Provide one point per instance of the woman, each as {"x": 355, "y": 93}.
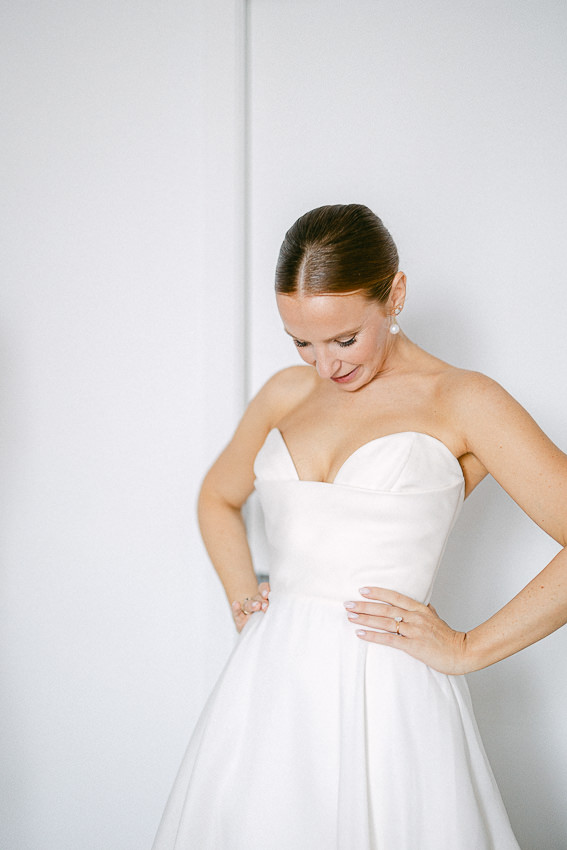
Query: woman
{"x": 342, "y": 719}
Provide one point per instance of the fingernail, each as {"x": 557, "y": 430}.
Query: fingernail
{"x": 264, "y": 606}
{"x": 360, "y": 632}
{"x": 265, "y": 593}
{"x": 364, "y": 590}
{"x": 235, "y": 605}
{"x": 349, "y": 604}
{"x": 352, "y": 616}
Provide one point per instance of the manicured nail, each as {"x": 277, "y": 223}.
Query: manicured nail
{"x": 364, "y": 590}
{"x": 264, "y": 606}
{"x": 352, "y": 616}
{"x": 265, "y": 593}
{"x": 349, "y": 604}
{"x": 235, "y": 605}
{"x": 360, "y": 632}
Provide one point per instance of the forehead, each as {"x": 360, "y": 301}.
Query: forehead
{"x": 326, "y": 316}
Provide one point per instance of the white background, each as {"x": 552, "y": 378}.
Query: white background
{"x": 121, "y": 324}
{"x": 123, "y": 361}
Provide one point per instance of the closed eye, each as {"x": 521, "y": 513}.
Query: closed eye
{"x": 344, "y": 344}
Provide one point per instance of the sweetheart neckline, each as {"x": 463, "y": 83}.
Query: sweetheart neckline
{"x": 363, "y": 446}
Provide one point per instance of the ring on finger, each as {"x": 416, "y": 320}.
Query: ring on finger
{"x": 398, "y": 620}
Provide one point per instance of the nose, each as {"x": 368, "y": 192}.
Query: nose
{"x": 326, "y": 364}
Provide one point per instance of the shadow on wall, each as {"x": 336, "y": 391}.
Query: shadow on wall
{"x": 15, "y": 809}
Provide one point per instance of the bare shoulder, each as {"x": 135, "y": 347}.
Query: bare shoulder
{"x": 292, "y": 383}
{"x": 280, "y": 394}
{"x": 480, "y": 405}
{"x": 284, "y": 391}
{"x": 507, "y": 442}
{"x": 487, "y": 417}
{"x": 232, "y": 475}
{"x": 468, "y": 380}
{"x": 463, "y": 384}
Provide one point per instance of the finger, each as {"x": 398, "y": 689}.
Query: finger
{"x": 384, "y": 638}
{"x": 250, "y": 604}
{"x": 259, "y": 602}
{"x": 382, "y": 594}
{"x": 240, "y": 620}
{"x": 239, "y": 614}
{"x": 378, "y": 609}
{"x": 241, "y": 617}
{"x": 264, "y": 590}
{"x": 385, "y": 623}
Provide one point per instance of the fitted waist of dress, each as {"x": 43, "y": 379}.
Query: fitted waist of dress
{"x": 337, "y": 582}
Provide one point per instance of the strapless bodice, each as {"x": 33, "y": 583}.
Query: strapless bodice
{"x": 340, "y": 742}
{"x": 383, "y": 521}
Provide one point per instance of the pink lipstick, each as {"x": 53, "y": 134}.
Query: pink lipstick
{"x": 344, "y": 379}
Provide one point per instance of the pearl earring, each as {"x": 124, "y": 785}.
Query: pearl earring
{"x": 394, "y": 327}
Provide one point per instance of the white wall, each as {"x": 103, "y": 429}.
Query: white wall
{"x": 122, "y": 377}
{"x": 121, "y": 339}
{"x": 448, "y": 119}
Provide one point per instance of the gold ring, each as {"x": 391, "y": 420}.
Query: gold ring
{"x": 398, "y": 621}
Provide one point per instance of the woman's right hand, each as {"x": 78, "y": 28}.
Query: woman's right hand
{"x": 242, "y": 609}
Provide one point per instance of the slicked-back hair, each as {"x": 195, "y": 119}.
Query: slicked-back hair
{"x": 335, "y": 250}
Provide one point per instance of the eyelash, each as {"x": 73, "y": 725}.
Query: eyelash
{"x": 344, "y": 344}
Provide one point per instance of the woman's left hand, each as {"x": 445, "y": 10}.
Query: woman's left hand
{"x": 410, "y": 626}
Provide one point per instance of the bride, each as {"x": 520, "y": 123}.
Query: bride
{"x": 342, "y": 718}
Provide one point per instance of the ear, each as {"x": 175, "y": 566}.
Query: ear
{"x": 397, "y": 291}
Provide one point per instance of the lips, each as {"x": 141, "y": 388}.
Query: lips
{"x": 342, "y": 379}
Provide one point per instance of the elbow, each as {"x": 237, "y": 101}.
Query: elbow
{"x": 205, "y": 496}
{"x": 211, "y": 499}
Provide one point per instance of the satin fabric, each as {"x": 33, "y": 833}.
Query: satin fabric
{"x": 313, "y": 739}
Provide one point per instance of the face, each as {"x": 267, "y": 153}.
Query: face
{"x": 346, "y": 337}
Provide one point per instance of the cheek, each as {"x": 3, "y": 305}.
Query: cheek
{"x": 306, "y": 354}
{"x": 368, "y": 349}
{"x": 380, "y": 338}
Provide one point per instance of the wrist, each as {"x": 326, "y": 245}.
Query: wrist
{"x": 242, "y": 592}
{"x": 475, "y": 653}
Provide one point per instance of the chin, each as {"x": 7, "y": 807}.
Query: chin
{"x": 354, "y": 385}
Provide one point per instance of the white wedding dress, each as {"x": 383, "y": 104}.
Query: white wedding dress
{"x": 313, "y": 739}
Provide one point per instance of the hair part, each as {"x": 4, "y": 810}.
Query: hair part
{"x": 337, "y": 250}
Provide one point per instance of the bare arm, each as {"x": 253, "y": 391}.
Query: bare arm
{"x": 230, "y": 481}
{"x": 505, "y": 441}
{"x": 533, "y": 471}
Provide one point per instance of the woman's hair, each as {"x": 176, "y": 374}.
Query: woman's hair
{"x": 335, "y": 250}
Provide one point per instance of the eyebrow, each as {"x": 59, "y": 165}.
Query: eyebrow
{"x": 348, "y": 334}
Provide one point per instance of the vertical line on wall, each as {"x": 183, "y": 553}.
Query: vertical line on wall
{"x": 243, "y": 189}
{"x": 247, "y": 169}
